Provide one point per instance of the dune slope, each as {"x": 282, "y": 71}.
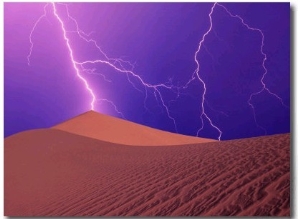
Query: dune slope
{"x": 55, "y": 173}
{"x": 95, "y": 125}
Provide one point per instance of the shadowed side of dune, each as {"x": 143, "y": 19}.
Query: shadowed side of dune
{"x": 55, "y": 173}
{"x": 95, "y": 125}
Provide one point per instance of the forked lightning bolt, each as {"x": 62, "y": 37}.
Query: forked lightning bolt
{"x": 87, "y": 86}
{"x": 125, "y": 67}
{"x": 196, "y": 74}
{"x": 263, "y": 85}
{"x": 118, "y": 65}
{"x": 31, "y": 32}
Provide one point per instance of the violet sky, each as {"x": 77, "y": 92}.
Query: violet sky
{"x": 160, "y": 40}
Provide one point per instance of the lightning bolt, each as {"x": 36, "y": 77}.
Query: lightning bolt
{"x": 31, "y": 33}
{"x": 113, "y": 105}
{"x": 87, "y": 86}
{"x": 156, "y": 88}
{"x": 263, "y": 85}
{"x": 196, "y": 74}
{"x": 121, "y": 66}
{"x": 118, "y": 65}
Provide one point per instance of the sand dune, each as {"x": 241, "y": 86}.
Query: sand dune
{"x": 56, "y": 173}
{"x": 106, "y": 128}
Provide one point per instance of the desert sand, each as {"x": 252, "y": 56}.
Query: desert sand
{"x": 107, "y": 128}
{"x": 50, "y": 172}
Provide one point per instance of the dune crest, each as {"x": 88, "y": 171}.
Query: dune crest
{"x": 107, "y": 128}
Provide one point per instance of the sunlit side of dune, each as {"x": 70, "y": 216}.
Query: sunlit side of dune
{"x": 107, "y": 128}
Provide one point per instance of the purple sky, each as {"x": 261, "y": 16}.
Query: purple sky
{"x": 160, "y": 40}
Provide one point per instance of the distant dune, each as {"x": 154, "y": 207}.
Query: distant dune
{"x": 106, "y": 128}
{"x": 50, "y": 172}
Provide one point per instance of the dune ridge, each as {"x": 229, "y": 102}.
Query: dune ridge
{"x": 50, "y": 172}
{"x": 107, "y": 128}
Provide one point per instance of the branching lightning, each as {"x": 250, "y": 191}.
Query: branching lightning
{"x": 32, "y": 30}
{"x": 87, "y": 86}
{"x": 196, "y": 74}
{"x": 113, "y": 105}
{"x": 117, "y": 64}
{"x": 121, "y": 66}
{"x": 264, "y": 86}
